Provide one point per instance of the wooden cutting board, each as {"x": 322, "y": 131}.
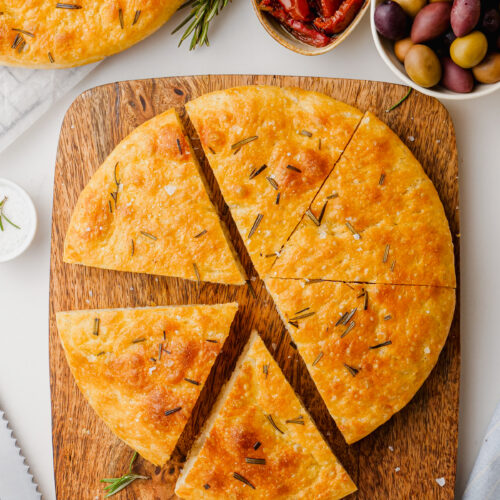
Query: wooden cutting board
{"x": 401, "y": 460}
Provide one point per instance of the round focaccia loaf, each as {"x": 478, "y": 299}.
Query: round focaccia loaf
{"x": 50, "y": 34}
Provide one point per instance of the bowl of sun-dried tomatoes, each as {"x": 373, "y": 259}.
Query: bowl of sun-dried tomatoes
{"x": 310, "y": 27}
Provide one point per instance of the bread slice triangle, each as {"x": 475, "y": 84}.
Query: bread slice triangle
{"x": 270, "y": 149}
{"x": 146, "y": 210}
{"x": 143, "y": 369}
{"x": 368, "y": 348}
{"x": 378, "y": 217}
{"x": 260, "y": 442}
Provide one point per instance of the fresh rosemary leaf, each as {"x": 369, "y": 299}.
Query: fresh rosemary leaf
{"x": 365, "y": 302}
{"x": 120, "y": 18}
{"x": 357, "y": 236}
{"x": 191, "y": 381}
{"x": 306, "y": 133}
{"x": 244, "y": 480}
{"x": 388, "y": 317}
{"x": 386, "y": 253}
{"x": 255, "y": 461}
{"x": 318, "y": 358}
{"x": 257, "y": 445}
{"x": 255, "y": 173}
{"x": 273, "y": 423}
{"x": 179, "y": 146}
{"x": 212, "y": 341}
{"x": 255, "y": 225}
{"x": 341, "y": 319}
{"x": 201, "y": 234}
{"x": 333, "y": 195}
{"x": 173, "y": 410}
{"x": 136, "y": 17}
{"x": 132, "y": 248}
{"x": 17, "y": 41}
{"x": 27, "y": 33}
{"x": 349, "y": 316}
{"x": 295, "y": 169}
{"x": 137, "y": 341}
{"x": 352, "y": 324}
{"x": 278, "y": 199}
{"x": 312, "y": 217}
{"x": 303, "y": 316}
{"x": 322, "y": 213}
{"x": 382, "y": 179}
{"x": 97, "y": 323}
{"x": 313, "y": 281}
{"x": 273, "y": 183}
{"x": 237, "y": 145}
{"x": 265, "y": 369}
{"x": 393, "y": 265}
{"x": 383, "y": 344}
{"x": 299, "y": 420}
{"x": 149, "y": 235}
{"x": 293, "y": 323}
{"x": 353, "y": 371}
{"x": 394, "y": 106}
{"x": 206, "y": 486}
{"x": 70, "y": 6}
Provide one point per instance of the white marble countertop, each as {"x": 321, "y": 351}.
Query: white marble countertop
{"x": 240, "y": 45}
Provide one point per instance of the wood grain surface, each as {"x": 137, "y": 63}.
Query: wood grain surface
{"x": 401, "y": 460}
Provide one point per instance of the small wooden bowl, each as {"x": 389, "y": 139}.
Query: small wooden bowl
{"x": 282, "y": 36}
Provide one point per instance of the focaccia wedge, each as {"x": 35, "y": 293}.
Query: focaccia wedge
{"x": 50, "y": 34}
{"x": 143, "y": 369}
{"x": 377, "y": 218}
{"x": 146, "y": 210}
{"x": 260, "y": 442}
{"x": 368, "y": 348}
{"x": 270, "y": 149}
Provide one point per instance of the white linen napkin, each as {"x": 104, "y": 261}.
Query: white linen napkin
{"x": 25, "y": 94}
{"x": 484, "y": 481}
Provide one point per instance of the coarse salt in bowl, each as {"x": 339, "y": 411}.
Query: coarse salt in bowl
{"x": 18, "y": 220}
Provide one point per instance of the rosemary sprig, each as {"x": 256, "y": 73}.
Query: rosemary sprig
{"x": 198, "y": 20}
{"x": 117, "y": 484}
{"x": 3, "y": 216}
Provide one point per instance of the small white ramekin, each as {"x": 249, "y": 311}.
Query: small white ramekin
{"x": 32, "y": 214}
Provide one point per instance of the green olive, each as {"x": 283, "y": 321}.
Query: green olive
{"x": 411, "y": 7}
{"x": 469, "y": 50}
{"x": 488, "y": 70}
{"x": 401, "y": 48}
{"x": 423, "y": 66}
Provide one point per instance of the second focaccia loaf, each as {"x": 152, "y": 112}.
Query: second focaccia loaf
{"x": 260, "y": 442}
{"x": 51, "y": 34}
{"x": 146, "y": 209}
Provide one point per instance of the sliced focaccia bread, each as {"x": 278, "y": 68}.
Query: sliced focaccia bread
{"x": 260, "y": 442}
{"x": 146, "y": 209}
{"x": 368, "y": 348}
{"x": 270, "y": 150}
{"x": 142, "y": 369}
{"x": 377, "y": 218}
{"x": 49, "y": 34}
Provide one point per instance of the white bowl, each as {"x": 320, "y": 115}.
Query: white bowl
{"x": 386, "y": 51}
{"x": 31, "y": 216}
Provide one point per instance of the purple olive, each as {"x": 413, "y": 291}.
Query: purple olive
{"x": 456, "y": 78}
{"x": 391, "y": 20}
{"x": 491, "y": 21}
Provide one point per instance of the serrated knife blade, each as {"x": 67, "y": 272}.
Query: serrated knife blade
{"x": 16, "y": 481}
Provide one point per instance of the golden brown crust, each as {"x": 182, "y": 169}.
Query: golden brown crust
{"x": 125, "y": 380}
{"x": 162, "y": 221}
{"x": 380, "y": 189}
{"x": 61, "y": 38}
{"x": 298, "y": 462}
{"x": 415, "y": 319}
{"x": 297, "y": 128}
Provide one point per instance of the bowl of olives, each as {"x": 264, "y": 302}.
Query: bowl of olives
{"x": 446, "y": 49}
